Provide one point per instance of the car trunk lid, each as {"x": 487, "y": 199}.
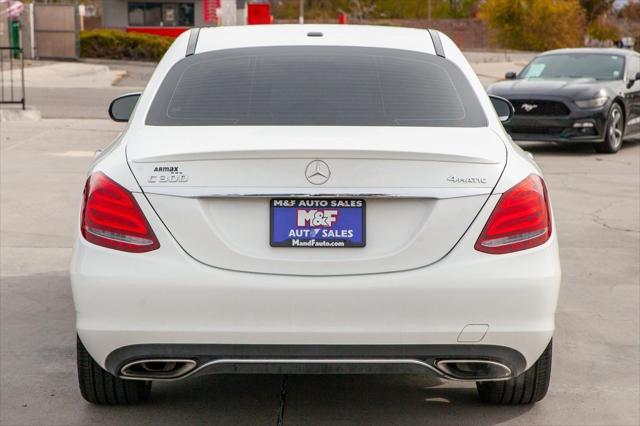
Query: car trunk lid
{"x": 212, "y": 186}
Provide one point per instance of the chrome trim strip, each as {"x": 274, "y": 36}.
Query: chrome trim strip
{"x": 193, "y": 42}
{"x": 217, "y": 362}
{"x": 257, "y": 192}
{"x": 437, "y": 43}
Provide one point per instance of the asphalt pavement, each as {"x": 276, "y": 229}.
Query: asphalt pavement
{"x": 596, "y": 366}
{"x": 92, "y": 100}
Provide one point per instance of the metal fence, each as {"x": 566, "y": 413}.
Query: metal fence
{"x": 12, "y": 76}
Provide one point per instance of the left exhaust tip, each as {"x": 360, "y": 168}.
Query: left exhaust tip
{"x": 148, "y": 369}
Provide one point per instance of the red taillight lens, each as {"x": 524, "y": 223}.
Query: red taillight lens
{"x": 520, "y": 220}
{"x": 112, "y": 218}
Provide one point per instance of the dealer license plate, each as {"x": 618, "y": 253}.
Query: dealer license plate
{"x": 317, "y": 222}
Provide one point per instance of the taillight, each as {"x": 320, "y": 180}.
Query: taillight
{"x": 112, "y": 218}
{"x": 520, "y": 220}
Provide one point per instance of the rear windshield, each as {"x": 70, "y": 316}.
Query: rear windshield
{"x": 315, "y": 86}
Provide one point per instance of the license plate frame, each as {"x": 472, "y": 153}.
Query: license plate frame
{"x": 329, "y": 221}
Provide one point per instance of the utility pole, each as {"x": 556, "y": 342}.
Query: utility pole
{"x": 301, "y": 19}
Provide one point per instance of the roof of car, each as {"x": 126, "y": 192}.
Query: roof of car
{"x": 604, "y": 50}
{"x": 217, "y": 38}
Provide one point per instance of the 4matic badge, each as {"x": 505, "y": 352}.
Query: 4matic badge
{"x": 167, "y": 174}
{"x": 466, "y": 179}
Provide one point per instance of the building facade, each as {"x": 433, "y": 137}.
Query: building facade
{"x": 171, "y": 17}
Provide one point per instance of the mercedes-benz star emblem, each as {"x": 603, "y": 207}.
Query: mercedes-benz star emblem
{"x": 317, "y": 172}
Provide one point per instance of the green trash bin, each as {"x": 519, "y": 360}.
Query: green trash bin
{"x": 14, "y": 37}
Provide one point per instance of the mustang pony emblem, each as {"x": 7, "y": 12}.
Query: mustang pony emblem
{"x": 529, "y": 107}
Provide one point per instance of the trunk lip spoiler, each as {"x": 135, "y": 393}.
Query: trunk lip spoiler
{"x": 262, "y": 192}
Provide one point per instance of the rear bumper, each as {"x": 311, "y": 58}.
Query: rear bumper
{"x": 167, "y": 298}
{"x": 314, "y": 359}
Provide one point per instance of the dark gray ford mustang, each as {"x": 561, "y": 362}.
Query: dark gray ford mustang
{"x": 576, "y": 95}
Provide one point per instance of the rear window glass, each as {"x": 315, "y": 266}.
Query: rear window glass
{"x": 316, "y": 86}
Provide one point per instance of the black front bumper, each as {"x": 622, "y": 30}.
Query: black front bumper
{"x": 528, "y": 126}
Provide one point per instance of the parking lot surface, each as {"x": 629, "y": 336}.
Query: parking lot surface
{"x": 596, "y": 370}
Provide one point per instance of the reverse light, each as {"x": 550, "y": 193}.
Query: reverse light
{"x": 112, "y": 218}
{"x": 519, "y": 221}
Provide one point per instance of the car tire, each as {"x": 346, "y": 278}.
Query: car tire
{"x": 529, "y": 387}
{"x": 613, "y": 133}
{"x": 98, "y": 386}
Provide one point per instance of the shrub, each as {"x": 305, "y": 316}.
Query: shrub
{"x": 535, "y": 24}
{"x": 631, "y": 12}
{"x": 594, "y": 9}
{"x": 374, "y": 9}
{"x": 115, "y": 44}
{"x": 602, "y": 29}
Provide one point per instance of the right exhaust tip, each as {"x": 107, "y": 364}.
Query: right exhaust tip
{"x": 474, "y": 369}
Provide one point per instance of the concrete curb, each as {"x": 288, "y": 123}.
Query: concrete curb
{"x": 68, "y": 75}
{"x": 16, "y": 114}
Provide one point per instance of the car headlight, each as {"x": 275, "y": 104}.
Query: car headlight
{"x": 596, "y": 102}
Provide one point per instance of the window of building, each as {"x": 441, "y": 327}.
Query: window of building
{"x": 152, "y": 14}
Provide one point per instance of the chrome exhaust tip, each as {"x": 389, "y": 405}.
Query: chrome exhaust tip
{"x": 474, "y": 369}
{"x": 147, "y": 369}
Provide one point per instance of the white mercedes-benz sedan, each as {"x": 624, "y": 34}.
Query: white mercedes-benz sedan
{"x": 314, "y": 199}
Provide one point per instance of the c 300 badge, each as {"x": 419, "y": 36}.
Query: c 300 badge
{"x": 167, "y": 174}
